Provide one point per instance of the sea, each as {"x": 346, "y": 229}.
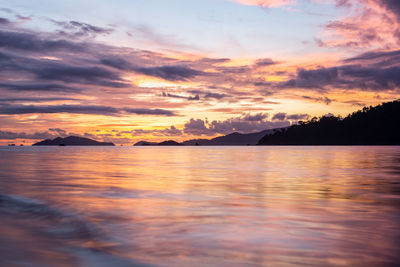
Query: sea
{"x": 200, "y": 206}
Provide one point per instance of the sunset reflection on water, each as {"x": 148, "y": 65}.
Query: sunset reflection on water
{"x": 197, "y": 206}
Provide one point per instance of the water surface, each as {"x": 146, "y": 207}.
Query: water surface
{"x": 199, "y": 206}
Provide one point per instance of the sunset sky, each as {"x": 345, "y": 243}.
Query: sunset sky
{"x": 131, "y": 70}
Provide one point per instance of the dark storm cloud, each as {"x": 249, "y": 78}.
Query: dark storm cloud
{"x": 80, "y": 109}
{"x": 34, "y": 43}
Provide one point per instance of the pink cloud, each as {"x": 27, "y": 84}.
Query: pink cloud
{"x": 370, "y": 24}
{"x": 266, "y": 3}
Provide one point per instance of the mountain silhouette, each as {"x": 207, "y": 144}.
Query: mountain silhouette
{"x": 379, "y": 125}
{"x": 71, "y": 141}
{"x": 233, "y": 139}
{"x": 145, "y": 143}
{"x": 169, "y": 143}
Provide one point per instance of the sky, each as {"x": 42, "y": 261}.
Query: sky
{"x": 128, "y": 70}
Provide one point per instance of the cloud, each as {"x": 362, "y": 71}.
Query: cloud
{"x": 80, "y": 29}
{"x": 264, "y": 62}
{"x": 367, "y": 24}
{"x": 33, "y": 42}
{"x": 324, "y": 99}
{"x": 314, "y": 78}
{"x": 281, "y": 116}
{"x": 4, "y": 21}
{"x": 151, "y": 37}
{"x": 170, "y": 73}
{"x": 146, "y": 111}
{"x": 297, "y": 117}
{"x": 244, "y": 124}
{"x": 196, "y": 97}
{"x": 7, "y": 135}
{"x": 266, "y": 3}
{"x": 206, "y": 94}
{"x": 255, "y": 117}
{"x": 36, "y": 99}
{"x": 391, "y": 5}
{"x": 45, "y": 69}
{"x": 373, "y": 76}
{"x": 167, "y": 72}
{"x": 377, "y": 58}
{"x": 58, "y": 132}
{"x": 171, "y": 131}
{"x": 78, "y": 74}
{"x": 48, "y": 87}
{"x": 117, "y": 63}
{"x": 80, "y": 109}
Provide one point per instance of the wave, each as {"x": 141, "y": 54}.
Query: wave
{"x": 59, "y": 222}
{"x": 70, "y": 233}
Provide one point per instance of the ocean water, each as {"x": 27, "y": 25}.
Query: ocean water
{"x": 199, "y": 206}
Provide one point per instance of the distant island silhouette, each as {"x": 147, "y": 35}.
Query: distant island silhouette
{"x": 72, "y": 141}
{"x": 233, "y": 139}
{"x": 379, "y": 125}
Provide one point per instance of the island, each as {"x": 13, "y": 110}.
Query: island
{"x": 379, "y": 125}
{"x": 233, "y": 139}
{"x": 71, "y": 141}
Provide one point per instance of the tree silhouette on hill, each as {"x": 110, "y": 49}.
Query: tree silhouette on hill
{"x": 379, "y": 125}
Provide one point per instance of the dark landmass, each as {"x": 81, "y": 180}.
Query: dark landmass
{"x": 233, "y": 139}
{"x": 378, "y": 125}
{"x": 169, "y": 143}
{"x": 164, "y": 143}
{"x": 145, "y": 143}
{"x": 71, "y": 141}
